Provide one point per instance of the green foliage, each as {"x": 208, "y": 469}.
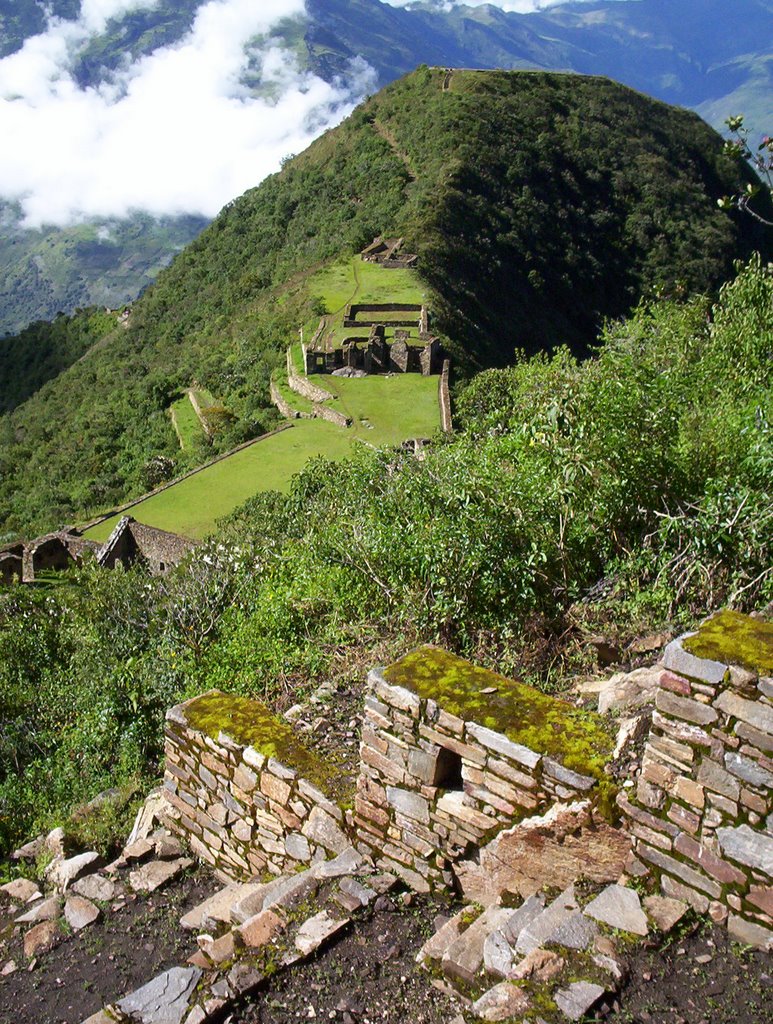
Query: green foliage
{"x": 43, "y": 350}
{"x": 540, "y": 204}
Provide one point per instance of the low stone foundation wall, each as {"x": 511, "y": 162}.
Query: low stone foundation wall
{"x": 434, "y": 785}
{"x": 322, "y": 412}
{"x": 282, "y": 404}
{"x": 250, "y": 798}
{"x": 306, "y": 389}
{"x": 444, "y": 399}
{"x": 700, "y": 814}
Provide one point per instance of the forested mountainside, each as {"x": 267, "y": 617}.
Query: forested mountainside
{"x": 620, "y": 496}
{"x": 540, "y": 205}
{"x": 681, "y": 51}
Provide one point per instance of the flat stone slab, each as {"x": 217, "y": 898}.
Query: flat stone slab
{"x": 501, "y": 1002}
{"x": 156, "y": 873}
{"x": 575, "y": 1001}
{"x": 664, "y": 912}
{"x": 97, "y": 887}
{"x": 541, "y": 929}
{"x": 575, "y": 932}
{"x": 620, "y": 908}
{"x": 350, "y": 862}
{"x": 317, "y": 930}
{"x": 62, "y": 873}
{"x": 165, "y": 1000}
{"x": 44, "y": 910}
{"x": 217, "y": 908}
{"x": 40, "y": 937}
{"x": 745, "y": 845}
{"x": 259, "y": 930}
{"x": 80, "y": 912}
{"x": 21, "y": 889}
{"x": 465, "y": 956}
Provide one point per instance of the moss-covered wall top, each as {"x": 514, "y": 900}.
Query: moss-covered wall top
{"x": 580, "y": 740}
{"x": 734, "y": 639}
{"x": 251, "y": 724}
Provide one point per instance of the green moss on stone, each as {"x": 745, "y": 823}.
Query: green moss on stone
{"x": 580, "y": 740}
{"x": 735, "y": 639}
{"x": 251, "y": 724}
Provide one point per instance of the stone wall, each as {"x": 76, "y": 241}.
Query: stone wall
{"x": 307, "y": 390}
{"x": 242, "y": 809}
{"x": 323, "y": 412}
{"x": 282, "y": 404}
{"x": 353, "y": 314}
{"x": 444, "y": 399}
{"x": 700, "y": 816}
{"x": 434, "y": 785}
{"x": 132, "y": 542}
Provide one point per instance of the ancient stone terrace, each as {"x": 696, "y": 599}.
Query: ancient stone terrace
{"x": 386, "y": 253}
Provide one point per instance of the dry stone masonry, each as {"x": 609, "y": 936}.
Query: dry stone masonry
{"x": 701, "y": 813}
{"x": 251, "y": 798}
{"x": 451, "y": 754}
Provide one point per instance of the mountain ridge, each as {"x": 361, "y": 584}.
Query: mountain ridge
{"x": 675, "y": 51}
{"x": 537, "y": 210}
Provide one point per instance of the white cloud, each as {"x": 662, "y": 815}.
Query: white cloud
{"x": 176, "y": 132}
{"x": 508, "y": 6}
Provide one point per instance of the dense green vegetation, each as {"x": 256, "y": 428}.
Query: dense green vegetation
{"x": 540, "y": 204}
{"x": 44, "y": 349}
{"x": 615, "y": 494}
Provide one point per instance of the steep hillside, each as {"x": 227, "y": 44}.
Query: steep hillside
{"x": 702, "y": 54}
{"x": 540, "y": 205}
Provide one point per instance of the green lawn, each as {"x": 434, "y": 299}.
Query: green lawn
{"x": 396, "y": 408}
{"x": 188, "y": 426}
{"x": 352, "y": 280}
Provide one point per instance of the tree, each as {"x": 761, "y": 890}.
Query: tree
{"x": 761, "y": 160}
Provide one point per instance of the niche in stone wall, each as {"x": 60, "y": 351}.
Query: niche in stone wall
{"x": 448, "y": 771}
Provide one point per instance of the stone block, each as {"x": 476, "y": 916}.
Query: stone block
{"x": 680, "y": 754}
{"x": 500, "y": 744}
{"x": 749, "y": 771}
{"x": 323, "y": 829}
{"x": 470, "y": 753}
{"x": 453, "y": 805}
{"x": 260, "y": 929}
{"x": 680, "y": 661}
{"x": 409, "y": 803}
{"x": 754, "y": 712}
{"x": 274, "y": 788}
{"x": 422, "y": 764}
{"x": 748, "y": 847}
{"x": 711, "y": 864}
{"x": 762, "y": 740}
{"x": 691, "y": 792}
{"x": 749, "y": 933}
{"x": 504, "y": 770}
{"x": 693, "y": 879}
{"x": 685, "y": 708}
{"x": 685, "y": 819}
{"x": 464, "y": 957}
{"x": 245, "y": 778}
{"x": 398, "y": 697}
{"x": 675, "y": 684}
{"x": 681, "y": 731}
{"x": 578, "y": 998}
{"x": 504, "y": 1001}
{"x": 574, "y": 780}
{"x": 678, "y": 891}
{"x": 712, "y": 776}
{"x": 166, "y": 998}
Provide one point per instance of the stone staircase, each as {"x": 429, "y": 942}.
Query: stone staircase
{"x": 546, "y": 959}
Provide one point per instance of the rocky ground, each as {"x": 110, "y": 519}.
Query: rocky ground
{"x": 368, "y": 975}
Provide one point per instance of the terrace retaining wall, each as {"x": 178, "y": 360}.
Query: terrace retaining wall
{"x": 433, "y": 786}
{"x": 241, "y": 811}
{"x": 700, "y": 815}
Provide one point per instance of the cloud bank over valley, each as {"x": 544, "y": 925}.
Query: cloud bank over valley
{"x": 181, "y": 130}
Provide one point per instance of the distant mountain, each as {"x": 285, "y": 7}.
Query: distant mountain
{"x": 705, "y": 54}
{"x": 539, "y": 204}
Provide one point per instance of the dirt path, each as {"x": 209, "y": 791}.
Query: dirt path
{"x": 391, "y": 141}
